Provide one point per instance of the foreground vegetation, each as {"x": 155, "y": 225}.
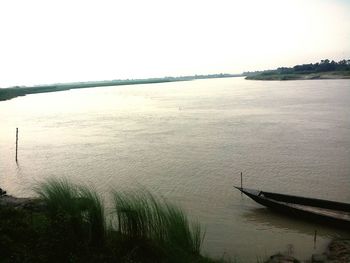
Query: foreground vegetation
{"x": 323, "y": 70}
{"x": 69, "y": 224}
{"x": 13, "y": 92}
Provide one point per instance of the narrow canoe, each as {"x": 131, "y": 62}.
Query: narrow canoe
{"x": 319, "y": 210}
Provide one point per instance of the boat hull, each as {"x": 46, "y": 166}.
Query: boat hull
{"x": 281, "y": 205}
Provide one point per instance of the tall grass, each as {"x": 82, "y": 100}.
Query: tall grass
{"x": 82, "y": 207}
{"x": 93, "y": 213}
{"x": 146, "y": 229}
{"x": 142, "y": 217}
{"x": 59, "y": 195}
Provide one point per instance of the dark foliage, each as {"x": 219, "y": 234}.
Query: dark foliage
{"x": 324, "y": 66}
{"x": 72, "y": 228}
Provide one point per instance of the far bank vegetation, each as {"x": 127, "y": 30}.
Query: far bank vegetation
{"x": 325, "y": 69}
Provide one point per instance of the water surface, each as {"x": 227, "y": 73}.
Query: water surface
{"x": 189, "y": 141}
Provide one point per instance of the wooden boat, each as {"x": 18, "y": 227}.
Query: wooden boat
{"x": 322, "y": 211}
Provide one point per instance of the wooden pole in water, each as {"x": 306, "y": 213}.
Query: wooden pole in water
{"x": 16, "y": 144}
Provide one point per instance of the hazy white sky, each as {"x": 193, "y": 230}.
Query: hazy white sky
{"x": 77, "y": 40}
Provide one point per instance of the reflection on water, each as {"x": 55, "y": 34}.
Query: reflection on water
{"x": 189, "y": 141}
{"x": 18, "y": 169}
{"x": 265, "y": 218}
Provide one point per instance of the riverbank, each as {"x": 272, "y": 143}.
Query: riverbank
{"x": 68, "y": 223}
{"x": 304, "y": 76}
{"x": 325, "y": 69}
{"x": 32, "y": 227}
{"x": 13, "y": 92}
{"x": 338, "y": 251}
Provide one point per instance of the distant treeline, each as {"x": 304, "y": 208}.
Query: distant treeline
{"x": 12, "y": 92}
{"x": 323, "y": 66}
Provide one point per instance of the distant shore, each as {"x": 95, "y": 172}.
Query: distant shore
{"x": 13, "y": 92}
{"x": 296, "y": 76}
{"x": 325, "y": 69}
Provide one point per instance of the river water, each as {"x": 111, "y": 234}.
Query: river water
{"x": 189, "y": 141}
